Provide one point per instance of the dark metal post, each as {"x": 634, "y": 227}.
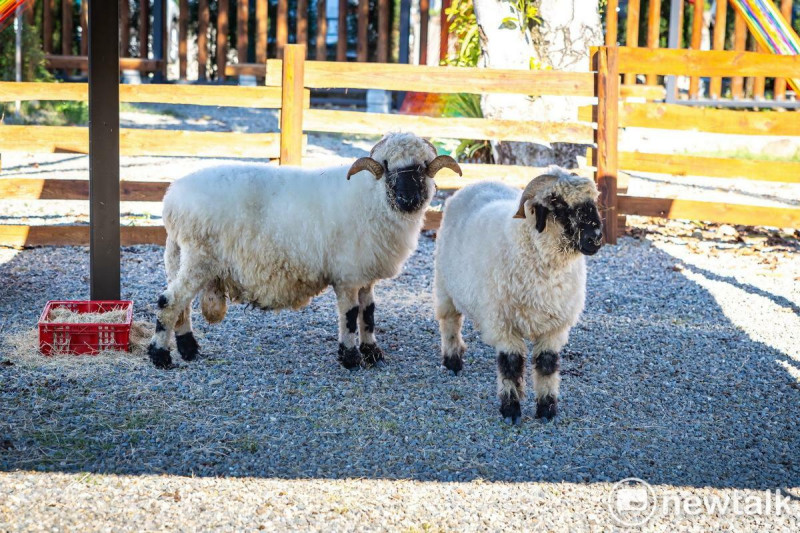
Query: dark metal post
{"x": 104, "y": 255}
{"x": 403, "y": 52}
{"x": 160, "y": 37}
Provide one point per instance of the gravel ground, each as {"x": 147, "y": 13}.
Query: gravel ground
{"x": 684, "y": 371}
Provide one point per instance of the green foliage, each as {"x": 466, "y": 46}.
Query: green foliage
{"x": 33, "y": 62}
{"x": 464, "y": 28}
{"x": 525, "y": 17}
{"x": 74, "y": 113}
{"x": 468, "y": 150}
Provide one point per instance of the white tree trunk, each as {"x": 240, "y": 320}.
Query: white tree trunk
{"x": 560, "y": 42}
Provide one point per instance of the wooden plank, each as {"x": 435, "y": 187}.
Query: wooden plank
{"x": 713, "y": 167}
{"x": 75, "y": 235}
{"x": 706, "y": 62}
{"x": 144, "y": 28}
{"x": 606, "y": 139}
{"x": 739, "y": 43}
{"x": 203, "y": 20}
{"x": 632, "y": 35}
{"x": 322, "y": 31}
{"x": 697, "y": 34}
{"x": 678, "y": 117}
{"x": 77, "y": 189}
{"x": 341, "y": 43}
{"x": 211, "y": 95}
{"x": 648, "y": 92}
{"x": 33, "y": 139}
{"x": 125, "y": 28}
{"x": 715, "y": 87}
{"x": 222, "y": 38}
{"x": 611, "y": 23}
{"x": 254, "y": 69}
{"x": 780, "y": 83}
{"x": 282, "y": 26}
{"x": 384, "y": 30}
{"x": 66, "y": 27}
{"x": 48, "y": 13}
{"x": 424, "y": 16}
{"x": 302, "y": 22}
{"x": 354, "y": 122}
{"x": 750, "y": 215}
{"x": 327, "y": 75}
{"x": 262, "y": 30}
{"x": 82, "y": 62}
{"x": 513, "y": 175}
{"x": 653, "y": 31}
{"x": 291, "y": 136}
{"x": 433, "y": 219}
{"x": 242, "y": 36}
{"x": 183, "y": 34}
{"x": 362, "y": 44}
{"x": 444, "y": 31}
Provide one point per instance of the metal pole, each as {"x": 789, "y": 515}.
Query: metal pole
{"x": 159, "y": 27}
{"x": 18, "y": 54}
{"x": 674, "y": 42}
{"x": 104, "y": 254}
{"x": 403, "y": 52}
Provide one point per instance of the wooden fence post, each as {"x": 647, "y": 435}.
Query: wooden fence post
{"x": 294, "y": 56}
{"x": 607, "y": 90}
{"x": 222, "y": 38}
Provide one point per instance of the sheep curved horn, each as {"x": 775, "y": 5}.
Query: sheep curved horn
{"x": 535, "y": 186}
{"x": 443, "y": 161}
{"x": 366, "y": 163}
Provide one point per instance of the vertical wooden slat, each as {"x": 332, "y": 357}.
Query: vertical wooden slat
{"x": 383, "y": 30}
{"x": 653, "y": 32}
{"x": 66, "y": 27}
{"x": 362, "y": 44}
{"x": 302, "y": 22}
{"x": 322, "y": 30}
{"x": 294, "y": 56}
{"x": 144, "y": 28}
{"x": 282, "y": 26}
{"x": 104, "y": 239}
{"x": 759, "y": 82}
{"x": 611, "y": 23}
{"x": 632, "y": 34}
{"x": 607, "y": 89}
{"x": 697, "y": 35}
{"x": 125, "y": 27}
{"x": 242, "y": 38}
{"x": 262, "y": 30}
{"x": 341, "y": 43}
{"x": 84, "y": 28}
{"x": 47, "y": 25}
{"x": 183, "y": 31}
{"x": 203, "y": 19}
{"x": 720, "y": 20}
{"x": 739, "y": 43}
{"x": 424, "y": 15}
{"x": 444, "y": 33}
{"x": 780, "y": 83}
{"x": 222, "y": 38}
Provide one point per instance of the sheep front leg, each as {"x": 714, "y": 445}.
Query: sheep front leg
{"x": 450, "y": 323}
{"x": 347, "y": 300}
{"x": 373, "y": 355}
{"x": 511, "y": 380}
{"x": 546, "y": 377}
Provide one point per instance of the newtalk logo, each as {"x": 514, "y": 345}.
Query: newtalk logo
{"x": 633, "y": 502}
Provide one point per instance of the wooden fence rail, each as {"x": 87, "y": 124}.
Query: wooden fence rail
{"x": 289, "y": 81}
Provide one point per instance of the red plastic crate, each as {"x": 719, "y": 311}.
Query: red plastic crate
{"x": 86, "y": 338}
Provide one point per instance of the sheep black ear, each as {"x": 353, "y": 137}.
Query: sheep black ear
{"x": 541, "y": 213}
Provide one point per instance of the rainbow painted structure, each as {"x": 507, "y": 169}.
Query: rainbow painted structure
{"x": 770, "y": 29}
{"x": 7, "y": 10}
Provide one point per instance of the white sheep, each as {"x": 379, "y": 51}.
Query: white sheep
{"x": 275, "y": 237}
{"x": 517, "y": 276}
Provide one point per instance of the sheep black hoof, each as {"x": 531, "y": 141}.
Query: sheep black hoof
{"x": 511, "y": 411}
{"x": 187, "y": 346}
{"x": 372, "y": 355}
{"x": 349, "y": 357}
{"x": 159, "y": 356}
{"x": 454, "y": 363}
{"x": 546, "y": 408}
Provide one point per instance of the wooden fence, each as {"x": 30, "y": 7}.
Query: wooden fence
{"x": 643, "y": 23}
{"x": 287, "y": 87}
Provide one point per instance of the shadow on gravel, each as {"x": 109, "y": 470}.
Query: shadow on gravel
{"x": 657, "y": 384}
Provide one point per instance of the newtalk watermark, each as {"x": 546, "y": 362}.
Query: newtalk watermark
{"x": 633, "y": 502}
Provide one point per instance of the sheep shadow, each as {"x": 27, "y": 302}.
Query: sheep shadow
{"x": 657, "y": 384}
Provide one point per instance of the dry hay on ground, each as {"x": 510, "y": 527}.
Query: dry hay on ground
{"x": 64, "y": 315}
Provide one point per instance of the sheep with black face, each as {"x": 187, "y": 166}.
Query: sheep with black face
{"x": 275, "y": 237}
{"x": 515, "y": 265}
